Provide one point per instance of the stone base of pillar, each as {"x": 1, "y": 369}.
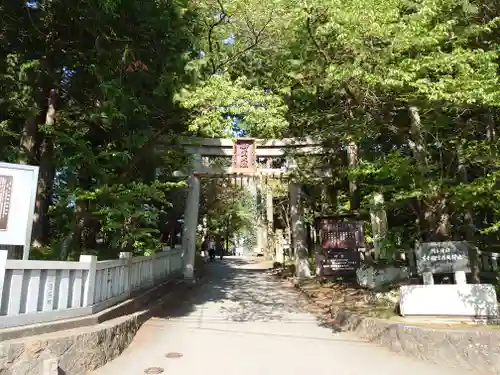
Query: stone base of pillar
{"x": 268, "y": 255}
{"x": 188, "y": 272}
{"x": 280, "y": 255}
{"x": 189, "y": 281}
{"x": 302, "y": 269}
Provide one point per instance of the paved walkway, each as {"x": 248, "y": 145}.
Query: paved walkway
{"x": 243, "y": 322}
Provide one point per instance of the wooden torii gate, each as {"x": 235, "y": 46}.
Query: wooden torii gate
{"x": 245, "y": 153}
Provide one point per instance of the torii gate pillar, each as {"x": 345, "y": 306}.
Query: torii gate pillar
{"x": 191, "y": 220}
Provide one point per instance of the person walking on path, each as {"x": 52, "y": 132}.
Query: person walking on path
{"x": 204, "y": 247}
{"x": 219, "y": 245}
{"x": 211, "y": 249}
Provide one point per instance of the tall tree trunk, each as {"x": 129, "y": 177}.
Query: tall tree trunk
{"x": 80, "y": 229}
{"x": 27, "y": 154}
{"x": 492, "y": 138}
{"x": 417, "y": 145}
{"x": 433, "y": 218}
{"x": 352, "y": 159}
{"x": 46, "y": 99}
{"x": 490, "y": 126}
{"x": 226, "y": 240}
{"x": 88, "y": 230}
{"x": 468, "y": 222}
{"x": 437, "y": 221}
{"x": 86, "y": 225}
{"x": 40, "y": 236}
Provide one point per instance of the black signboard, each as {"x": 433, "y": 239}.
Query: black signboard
{"x": 341, "y": 234}
{"x": 341, "y": 262}
{"x": 442, "y": 257}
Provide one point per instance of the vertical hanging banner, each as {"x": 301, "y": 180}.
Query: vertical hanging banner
{"x": 244, "y": 156}
{"x": 18, "y": 184}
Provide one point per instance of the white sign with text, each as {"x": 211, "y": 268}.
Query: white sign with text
{"x": 18, "y": 184}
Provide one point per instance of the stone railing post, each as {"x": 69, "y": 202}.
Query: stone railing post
{"x": 51, "y": 366}
{"x": 169, "y": 261}
{"x": 153, "y": 268}
{"x": 89, "y": 286}
{"x": 128, "y": 271}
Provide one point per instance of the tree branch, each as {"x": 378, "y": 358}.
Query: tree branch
{"x": 144, "y": 151}
{"x": 222, "y": 18}
{"x": 256, "y": 41}
{"x": 315, "y": 42}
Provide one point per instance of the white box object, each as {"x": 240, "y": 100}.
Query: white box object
{"x": 467, "y": 300}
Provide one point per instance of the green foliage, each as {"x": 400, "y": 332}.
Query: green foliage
{"x": 113, "y": 87}
{"x": 228, "y": 208}
{"x": 414, "y": 84}
{"x": 216, "y": 102}
{"x": 129, "y": 214}
{"x": 360, "y": 71}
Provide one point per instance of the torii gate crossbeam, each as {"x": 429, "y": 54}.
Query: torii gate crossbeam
{"x": 244, "y": 153}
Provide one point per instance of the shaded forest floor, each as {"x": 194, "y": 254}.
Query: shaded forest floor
{"x": 325, "y": 297}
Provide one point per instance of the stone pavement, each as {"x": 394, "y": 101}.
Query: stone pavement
{"x": 243, "y": 322}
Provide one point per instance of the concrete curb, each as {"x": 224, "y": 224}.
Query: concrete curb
{"x": 473, "y": 349}
{"x": 80, "y": 350}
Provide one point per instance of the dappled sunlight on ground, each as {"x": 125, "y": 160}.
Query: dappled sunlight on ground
{"x": 241, "y": 320}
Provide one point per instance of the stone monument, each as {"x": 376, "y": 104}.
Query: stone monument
{"x": 476, "y": 301}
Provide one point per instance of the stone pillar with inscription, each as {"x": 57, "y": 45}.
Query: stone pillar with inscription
{"x": 261, "y": 218}
{"x": 278, "y": 246}
{"x": 270, "y": 220}
{"x": 299, "y": 244}
{"x": 191, "y": 219}
{"x": 379, "y": 224}
{"x": 252, "y": 187}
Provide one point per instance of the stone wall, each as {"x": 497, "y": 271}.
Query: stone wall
{"x": 475, "y": 348}
{"x": 78, "y": 350}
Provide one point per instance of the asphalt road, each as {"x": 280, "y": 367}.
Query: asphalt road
{"x": 241, "y": 322}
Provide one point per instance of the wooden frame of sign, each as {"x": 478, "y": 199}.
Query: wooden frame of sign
{"x": 340, "y": 243}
